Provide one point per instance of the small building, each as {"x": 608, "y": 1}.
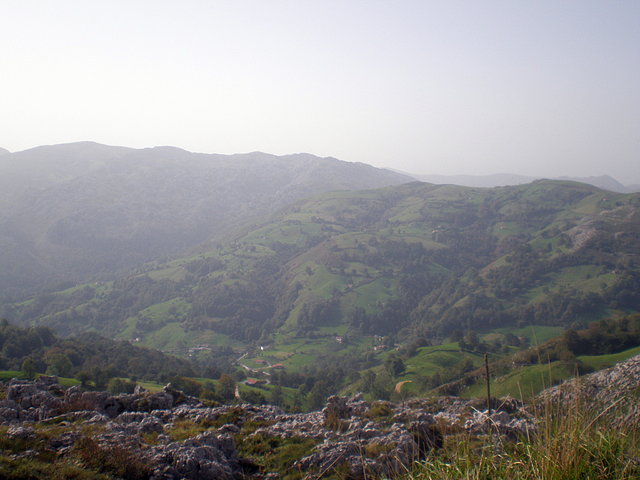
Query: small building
{"x": 279, "y": 366}
{"x": 340, "y": 339}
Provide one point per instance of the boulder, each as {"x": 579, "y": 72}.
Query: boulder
{"x": 150, "y": 425}
{"x": 208, "y": 456}
{"x": 21, "y": 432}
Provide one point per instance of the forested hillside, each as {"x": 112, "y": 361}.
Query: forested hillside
{"x": 87, "y": 357}
{"x": 84, "y": 211}
{"x": 416, "y": 260}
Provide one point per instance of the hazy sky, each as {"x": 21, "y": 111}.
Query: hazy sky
{"x": 529, "y": 87}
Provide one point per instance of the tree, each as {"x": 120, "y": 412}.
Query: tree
{"x": 226, "y": 387}
{"x": 573, "y": 341}
{"x": 28, "y": 367}
{"x": 471, "y": 338}
{"x": 382, "y": 386}
{"x": 318, "y": 394}
{"x": 187, "y": 385}
{"x": 394, "y": 365}
{"x": 59, "y": 364}
{"x": 368, "y": 379}
{"x": 456, "y": 335}
{"x": 256, "y": 398}
{"x": 118, "y": 385}
{"x": 84, "y": 377}
{"x": 100, "y": 377}
{"x": 277, "y": 397}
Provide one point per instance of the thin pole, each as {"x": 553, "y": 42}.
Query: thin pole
{"x": 486, "y": 369}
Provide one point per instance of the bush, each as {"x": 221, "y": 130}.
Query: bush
{"x": 112, "y": 459}
{"x": 335, "y": 423}
{"x": 379, "y": 410}
{"x": 119, "y": 385}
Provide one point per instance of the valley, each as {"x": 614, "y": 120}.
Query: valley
{"x": 83, "y": 211}
{"x": 244, "y": 312}
{"x": 310, "y": 240}
{"x": 345, "y": 285}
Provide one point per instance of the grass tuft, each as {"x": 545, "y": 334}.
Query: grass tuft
{"x": 572, "y": 442}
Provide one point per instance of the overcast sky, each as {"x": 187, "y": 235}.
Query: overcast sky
{"x": 443, "y": 87}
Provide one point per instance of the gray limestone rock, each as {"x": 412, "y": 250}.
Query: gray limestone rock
{"x": 21, "y": 432}
{"x": 206, "y": 457}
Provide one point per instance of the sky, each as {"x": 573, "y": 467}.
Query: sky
{"x": 541, "y": 88}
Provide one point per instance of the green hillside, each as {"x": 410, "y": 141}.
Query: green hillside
{"x": 83, "y": 211}
{"x": 339, "y": 274}
{"x": 576, "y": 352}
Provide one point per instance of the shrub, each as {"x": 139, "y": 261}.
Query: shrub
{"x": 112, "y": 459}
{"x": 183, "y": 429}
{"x": 119, "y": 385}
{"x": 335, "y": 423}
{"x": 375, "y": 449}
{"x": 379, "y": 410}
{"x": 275, "y": 454}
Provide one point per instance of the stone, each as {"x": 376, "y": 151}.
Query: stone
{"x": 371, "y": 447}
{"x": 151, "y": 425}
{"x": 22, "y": 433}
{"x": 207, "y": 457}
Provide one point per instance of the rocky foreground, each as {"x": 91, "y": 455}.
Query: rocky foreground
{"x": 169, "y": 435}
{"x": 613, "y": 393}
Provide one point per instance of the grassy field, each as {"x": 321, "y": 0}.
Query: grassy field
{"x": 430, "y": 360}
{"x": 598, "y": 362}
{"x": 9, "y": 374}
{"x": 527, "y": 381}
{"x": 535, "y": 334}
{"x": 522, "y": 382}
{"x": 174, "y": 337}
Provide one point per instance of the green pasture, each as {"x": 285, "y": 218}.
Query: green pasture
{"x": 598, "y": 362}
{"x": 522, "y": 382}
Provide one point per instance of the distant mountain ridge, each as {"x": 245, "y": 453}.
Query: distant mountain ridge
{"x": 78, "y": 211}
{"x": 503, "y": 179}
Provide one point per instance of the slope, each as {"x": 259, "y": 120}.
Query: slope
{"x": 409, "y": 261}
{"x": 76, "y": 212}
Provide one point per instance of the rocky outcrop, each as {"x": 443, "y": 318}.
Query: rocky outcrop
{"x": 208, "y": 456}
{"x": 175, "y": 436}
{"x": 613, "y": 392}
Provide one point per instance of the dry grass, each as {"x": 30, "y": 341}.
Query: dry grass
{"x": 573, "y": 441}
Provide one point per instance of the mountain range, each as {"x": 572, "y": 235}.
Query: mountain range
{"x": 498, "y": 180}
{"x": 311, "y": 273}
{"x": 84, "y": 211}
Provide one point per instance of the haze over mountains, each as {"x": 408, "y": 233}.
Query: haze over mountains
{"x": 85, "y": 211}
{"x": 325, "y": 262}
{"x": 501, "y": 179}
{"x": 79, "y": 211}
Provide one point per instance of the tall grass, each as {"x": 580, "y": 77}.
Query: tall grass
{"x": 573, "y": 441}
